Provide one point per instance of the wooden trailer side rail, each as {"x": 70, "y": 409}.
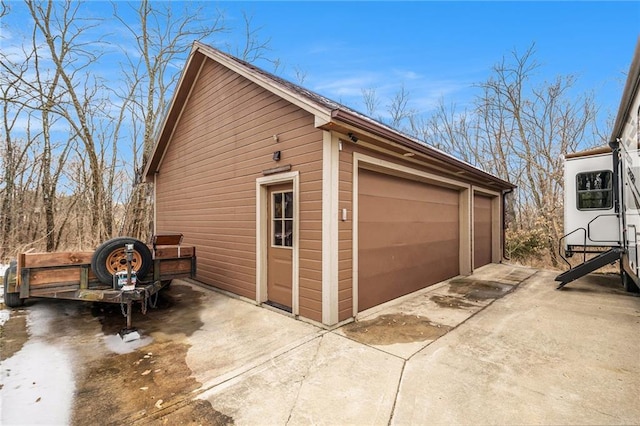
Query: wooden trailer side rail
{"x": 68, "y": 275}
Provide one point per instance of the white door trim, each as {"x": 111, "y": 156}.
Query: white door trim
{"x": 330, "y": 223}
{"x": 262, "y": 239}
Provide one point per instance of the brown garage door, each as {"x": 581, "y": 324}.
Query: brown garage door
{"x": 408, "y": 236}
{"x": 482, "y": 241}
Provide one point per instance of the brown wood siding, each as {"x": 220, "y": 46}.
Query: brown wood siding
{"x": 482, "y": 226}
{"x": 206, "y": 187}
{"x": 408, "y": 236}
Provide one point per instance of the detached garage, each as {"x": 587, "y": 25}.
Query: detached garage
{"x": 306, "y": 206}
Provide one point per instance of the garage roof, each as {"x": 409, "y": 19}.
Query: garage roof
{"x": 329, "y": 114}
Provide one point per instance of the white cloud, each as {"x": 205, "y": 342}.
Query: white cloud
{"x": 407, "y": 75}
{"x": 425, "y": 92}
{"x": 350, "y": 85}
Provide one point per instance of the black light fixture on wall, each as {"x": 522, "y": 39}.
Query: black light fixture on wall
{"x": 276, "y": 156}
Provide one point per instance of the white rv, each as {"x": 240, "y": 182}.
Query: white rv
{"x": 602, "y": 195}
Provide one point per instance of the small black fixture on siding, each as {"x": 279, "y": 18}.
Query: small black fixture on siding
{"x": 276, "y": 156}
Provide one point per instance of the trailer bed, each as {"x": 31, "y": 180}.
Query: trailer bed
{"x": 68, "y": 275}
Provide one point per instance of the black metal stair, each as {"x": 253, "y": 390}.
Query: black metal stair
{"x": 589, "y": 266}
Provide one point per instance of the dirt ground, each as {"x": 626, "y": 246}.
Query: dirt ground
{"x": 146, "y": 385}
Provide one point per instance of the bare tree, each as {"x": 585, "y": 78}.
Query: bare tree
{"x": 70, "y": 56}
{"x": 254, "y": 46}
{"x": 535, "y": 124}
{"x": 30, "y": 94}
{"x": 371, "y": 101}
{"x": 519, "y": 131}
{"x": 398, "y": 108}
{"x": 449, "y": 130}
{"x": 65, "y": 175}
{"x": 300, "y": 74}
{"x": 13, "y": 154}
{"x": 159, "y": 39}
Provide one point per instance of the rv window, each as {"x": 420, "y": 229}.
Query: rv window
{"x": 594, "y": 190}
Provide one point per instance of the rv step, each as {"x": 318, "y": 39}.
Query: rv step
{"x": 589, "y": 266}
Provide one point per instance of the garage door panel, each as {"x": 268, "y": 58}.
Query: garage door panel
{"x": 408, "y": 236}
{"x": 399, "y": 188}
{"x": 406, "y": 210}
{"x": 376, "y": 235}
{"x": 482, "y": 230}
{"x": 407, "y": 279}
{"x": 382, "y": 260}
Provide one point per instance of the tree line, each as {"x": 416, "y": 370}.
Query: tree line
{"x": 518, "y": 129}
{"x": 74, "y": 140}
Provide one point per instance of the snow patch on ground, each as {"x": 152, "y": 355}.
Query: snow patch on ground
{"x": 4, "y": 316}
{"x": 115, "y": 344}
{"x": 4, "y": 313}
{"x": 37, "y": 381}
{"x": 37, "y": 386}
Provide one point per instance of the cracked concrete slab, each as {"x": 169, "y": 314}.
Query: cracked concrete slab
{"x": 328, "y": 380}
{"x": 418, "y": 319}
{"x": 539, "y": 356}
{"x": 236, "y": 336}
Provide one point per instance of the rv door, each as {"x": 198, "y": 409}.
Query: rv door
{"x": 589, "y": 215}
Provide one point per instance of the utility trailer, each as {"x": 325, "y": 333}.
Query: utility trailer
{"x": 602, "y": 196}
{"x": 122, "y": 270}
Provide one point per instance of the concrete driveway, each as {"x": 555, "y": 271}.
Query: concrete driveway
{"x": 499, "y": 347}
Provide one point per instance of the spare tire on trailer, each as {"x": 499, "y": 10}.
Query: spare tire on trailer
{"x": 110, "y": 257}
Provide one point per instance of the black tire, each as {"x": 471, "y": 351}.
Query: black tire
{"x": 12, "y": 300}
{"x": 629, "y": 284}
{"x": 110, "y": 257}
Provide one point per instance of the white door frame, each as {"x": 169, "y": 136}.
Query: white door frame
{"x": 262, "y": 239}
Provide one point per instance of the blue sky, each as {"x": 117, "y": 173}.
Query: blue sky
{"x": 437, "y": 50}
{"x": 440, "y": 49}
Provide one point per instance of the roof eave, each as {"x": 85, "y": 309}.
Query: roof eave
{"x": 389, "y": 134}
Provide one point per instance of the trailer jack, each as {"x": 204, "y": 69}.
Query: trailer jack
{"x": 129, "y": 333}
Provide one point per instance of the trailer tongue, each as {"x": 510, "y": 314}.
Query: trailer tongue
{"x": 122, "y": 270}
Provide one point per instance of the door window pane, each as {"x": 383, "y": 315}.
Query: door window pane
{"x": 288, "y": 233}
{"x": 277, "y": 205}
{"x": 277, "y": 232}
{"x": 282, "y": 219}
{"x": 288, "y": 205}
